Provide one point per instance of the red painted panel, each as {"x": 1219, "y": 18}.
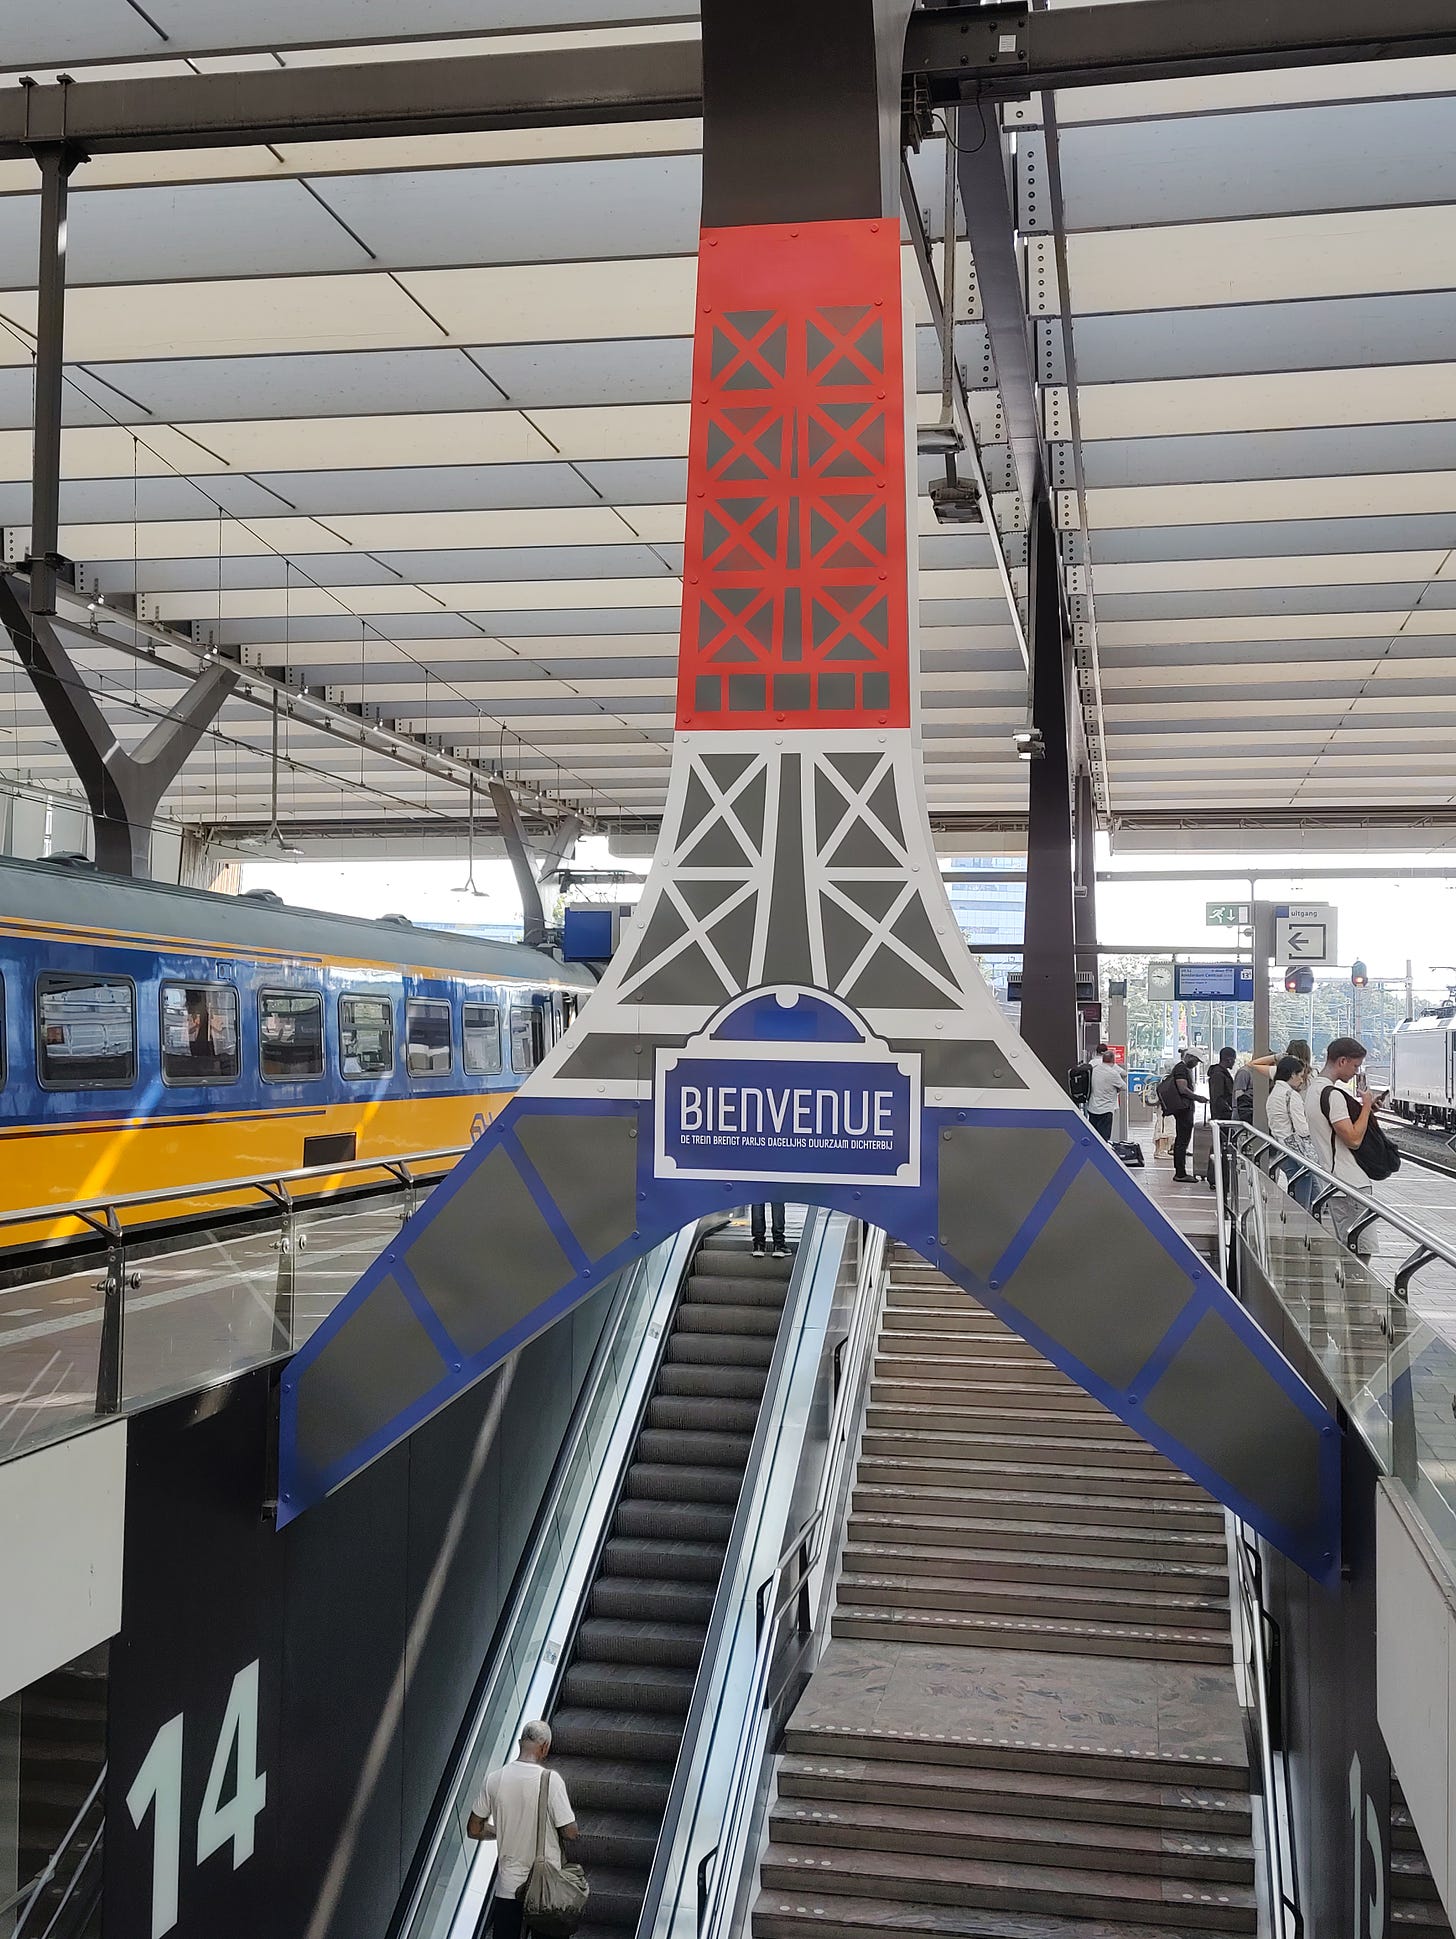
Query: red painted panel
{"x": 795, "y": 609}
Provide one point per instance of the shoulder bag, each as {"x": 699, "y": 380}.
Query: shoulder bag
{"x": 555, "y": 1896}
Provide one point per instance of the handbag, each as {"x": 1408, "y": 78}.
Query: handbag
{"x": 555, "y": 1896}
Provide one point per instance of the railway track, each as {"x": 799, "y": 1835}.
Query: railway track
{"x": 1434, "y": 1148}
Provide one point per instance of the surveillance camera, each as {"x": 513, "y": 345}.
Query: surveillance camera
{"x": 956, "y": 502}
{"x": 1029, "y": 744}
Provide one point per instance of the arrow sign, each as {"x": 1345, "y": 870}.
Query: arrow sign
{"x": 1304, "y": 938}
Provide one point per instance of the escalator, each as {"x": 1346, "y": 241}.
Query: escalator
{"x": 624, "y": 1699}
{"x": 691, "y": 1499}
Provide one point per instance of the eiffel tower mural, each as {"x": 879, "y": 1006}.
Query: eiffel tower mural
{"x": 795, "y": 1013}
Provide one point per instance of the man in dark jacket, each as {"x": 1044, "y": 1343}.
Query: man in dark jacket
{"x": 1221, "y": 1084}
{"x": 1177, "y": 1097}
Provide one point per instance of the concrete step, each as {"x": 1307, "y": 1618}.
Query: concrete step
{"x": 795, "y": 1914}
{"x": 1016, "y": 1406}
{"x": 978, "y": 1390}
{"x": 975, "y": 1594}
{"x": 873, "y": 1825}
{"x": 945, "y": 1628}
{"x": 1099, "y": 1797}
{"x": 930, "y": 1879}
{"x": 972, "y": 1351}
{"x": 1078, "y": 1757}
{"x": 1075, "y": 1537}
{"x": 993, "y": 1493}
{"x": 888, "y": 1432}
{"x": 908, "y": 1552}
{"x": 1019, "y": 1434}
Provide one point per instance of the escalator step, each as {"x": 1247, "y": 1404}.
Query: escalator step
{"x": 720, "y": 1350}
{"x": 606, "y": 1784}
{"x": 738, "y": 1262}
{"x": 656, "y": 1562}
{"x": 604, "y": 1639}
{"x": 622, "y": 1840}
{"x": 646, "y": 1689}
{"x": 615, "y": 1904}
{"x": 679, "y": 1448}
{"x": 722, "y": 1288}
{"x": 652, "y": 1602}
{"x": 622, "y": 1734}
{"x": 672, "y": 1521}
{"x": 761, "y": 1322}
{"x": 660, "y": 1481}
{"x": 725, "y": 1383}
{"x": 738, "y": 1417}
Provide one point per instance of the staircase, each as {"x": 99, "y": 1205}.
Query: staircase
{"x": 618, "y": 1726}
{"x": 1026, "y": 1725}
{"x": 999, "y": 1504}
{"x": 1416, "y": 1911}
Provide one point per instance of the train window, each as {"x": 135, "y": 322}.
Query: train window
{"x": 427, "y": 1038}
{"x": 85, "y": 1029}
{"x": 199, "y": 1033}
{"x": 482, "y": 1032}
{"x": 528, "y": 1045}
{"x": 366, "y": 1036}
{"x": 290, "y": 1034}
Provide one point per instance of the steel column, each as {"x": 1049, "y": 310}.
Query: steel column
{"x": 56, "y": 164}
{"x": 1048, "y": 979}
{"x": 123, "y": 790}
{"x": 1084, "y": 908}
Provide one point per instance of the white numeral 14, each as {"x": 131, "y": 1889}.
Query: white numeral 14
{"x": 158, "y": 1787}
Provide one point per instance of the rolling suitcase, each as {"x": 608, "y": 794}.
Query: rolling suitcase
{"x": 1200, "y": 1157}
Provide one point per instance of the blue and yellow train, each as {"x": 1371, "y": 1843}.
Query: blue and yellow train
{"x": 155, "y": 1037}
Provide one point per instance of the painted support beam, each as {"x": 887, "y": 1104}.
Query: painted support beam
{"x": 1066, "y": 47}
{"x": 123, "y": 790}
{"x": 1084, "y": 875}
{"x": 793, "y": 1012}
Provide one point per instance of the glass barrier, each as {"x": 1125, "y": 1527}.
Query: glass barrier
{"x": 154, "y": 1315}
{"x": 1394, "y": 1373}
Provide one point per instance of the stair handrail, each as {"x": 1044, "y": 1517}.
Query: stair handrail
{"x": 806, "y": 1548}
{"x": 22, "y": 1901}
{"x": 1281, "y": 1865}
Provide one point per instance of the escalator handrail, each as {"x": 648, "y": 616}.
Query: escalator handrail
{"x": 807, "y": 1259}
{"x": 807, "y": 1545}
{"x": 675, "y": 1255}
{"x": 24, "y": 1900}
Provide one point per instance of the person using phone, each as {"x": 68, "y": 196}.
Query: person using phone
{"x": 1337, "y": 1122}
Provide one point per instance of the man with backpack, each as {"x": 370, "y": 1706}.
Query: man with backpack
{"x": 1177, "y": 1097}
{"x": 1347, "y": 1141}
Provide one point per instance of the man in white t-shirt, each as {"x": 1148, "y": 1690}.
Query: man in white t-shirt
{"x": 506, "y": 1809}
{"x": 1337, "y": 1121}
{"x": 1107, "y": 1081}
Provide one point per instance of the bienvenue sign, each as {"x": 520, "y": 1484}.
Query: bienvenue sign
{"x": 843, "y": 1113}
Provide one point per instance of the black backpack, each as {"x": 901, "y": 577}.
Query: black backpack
{"x": 1376, "y": 1156}
{"x": 1170, "y": 1096}
{"x": 1079, "y": 1083}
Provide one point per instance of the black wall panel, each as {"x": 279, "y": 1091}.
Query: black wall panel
{"x": 349, "y": 1644}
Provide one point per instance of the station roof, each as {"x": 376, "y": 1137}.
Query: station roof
{"x": 404, "y": 423}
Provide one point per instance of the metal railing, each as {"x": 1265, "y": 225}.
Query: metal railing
{"x": 719, "y": 1875}
{"x": 270, "y": 1214}
{"x": 28, "y": 1899}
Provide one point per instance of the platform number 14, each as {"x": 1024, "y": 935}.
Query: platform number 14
{"x": 157, "y": 1787}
